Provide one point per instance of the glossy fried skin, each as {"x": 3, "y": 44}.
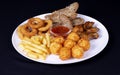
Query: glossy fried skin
{"x": 69, "y": 43}
{"x": 73, "y": 36}
{"x": 85, "y": 44}
{"x": 65, "y": 53}
{"x": 77, "y": 52}
{"x": 59, "y": 39}
{"x": 88, "y": 25}
{"x": 55, "y": 47}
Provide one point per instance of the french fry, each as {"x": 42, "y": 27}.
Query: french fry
{"x": 42, "y": 57}
{"x": 36, "y": 40}
{"x": 21, "y": 36}
{"x": 48, "y": 39}
{"x": 36, "y": 46}
{"x": 33, "y": 55}
{"x": 21, "y": 45}
{"x": 44, "y": 41}
{"x": 27, "y": 38}
{"x": 34, "y": 49}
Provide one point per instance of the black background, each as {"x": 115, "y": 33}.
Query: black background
{"x": 12, "y": 13}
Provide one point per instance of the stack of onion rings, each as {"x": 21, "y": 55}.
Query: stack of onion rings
{"x": 34, "y": 26}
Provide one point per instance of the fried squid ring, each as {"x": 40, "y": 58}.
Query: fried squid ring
{"x": 28, "y": 31}
{"x": 48, "y": 23}
{"x": 35, "y": 22}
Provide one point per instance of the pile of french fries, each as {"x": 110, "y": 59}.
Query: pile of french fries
{"x": 36, "y": 47}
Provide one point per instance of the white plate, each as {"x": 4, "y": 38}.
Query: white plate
{"x": 97, "y": 45}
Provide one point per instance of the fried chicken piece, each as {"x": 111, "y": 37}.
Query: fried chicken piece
{"x": 93, "y": 35}
{"x": 78, "y": 29}
{"x": 85, "y": 44}
{"x": 88, "y": 25}
{"x": 92, "y": 30}
{"x": 69, "y": 43}
{"x": 65, "y": 53}
{"x": 55, "y": 48}
{"x": 77, "y": 52}
{"x": 73, "y": 36}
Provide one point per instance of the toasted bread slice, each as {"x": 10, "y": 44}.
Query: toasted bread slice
{"x": 65, "y": 15}
{"x": 69, "y": 11}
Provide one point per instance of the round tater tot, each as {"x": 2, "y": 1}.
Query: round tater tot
{"x": 59, "y": 39}
{"x": 55, "y": 47}
{"x": 77, "y": 52}
{"x": 85, "y": 44}
{"x": 73, "y": 36}
{"x": 65, "y": 53}
{"x": 69, "y": 43}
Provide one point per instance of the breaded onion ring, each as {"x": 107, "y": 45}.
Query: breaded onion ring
{"x": 47, "y": 26}
{"x": 28, "y": 31}
{"x": 35, "y": 22}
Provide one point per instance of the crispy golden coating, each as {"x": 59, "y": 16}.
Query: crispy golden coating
{"x": 78, "y": 28}
{"x": 55, "y": 47}
{"x": 48, "y": 24}
{"x": 77, "y": 51}
{"x": 84, "y": 36}
{"x": 65, "y": 53}
{"x": 73, "y": 36}
{"x": 35, "y": 22}
{"x": 59, "y": 39}
{"x": 69, "y": 43}
{"x": 85, "y": 44}
{"x": 28, "y": 31}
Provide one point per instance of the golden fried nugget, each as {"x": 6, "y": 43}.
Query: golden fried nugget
{"x": 77, "y": 52}
{"x": 55, "y": 47}
{"x": 69, "y": 43}
{"x": 85, "y": 44}
{"x": 65, "y": 53}
{"x": 73, "y": 36}
{"x": 59, "y": 39}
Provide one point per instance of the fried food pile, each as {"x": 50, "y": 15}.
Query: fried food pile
{"x": 66, "y": 16}
{"x": 70, "y": 47}
{"x": 34, "y": 26}
{"x": 87, "y": 30}
{"x": 38, "y": 43}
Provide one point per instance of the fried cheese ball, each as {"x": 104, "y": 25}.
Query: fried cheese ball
{"x": 65, "y": 53}
{"x": 77, "y": 52}
{"x": 55, "y": 47}
{"x": 73, "y": 36}
{"x": 69, "y": 43}
{"x": 85, "y": 44}
{"x": 59, "y": 39}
